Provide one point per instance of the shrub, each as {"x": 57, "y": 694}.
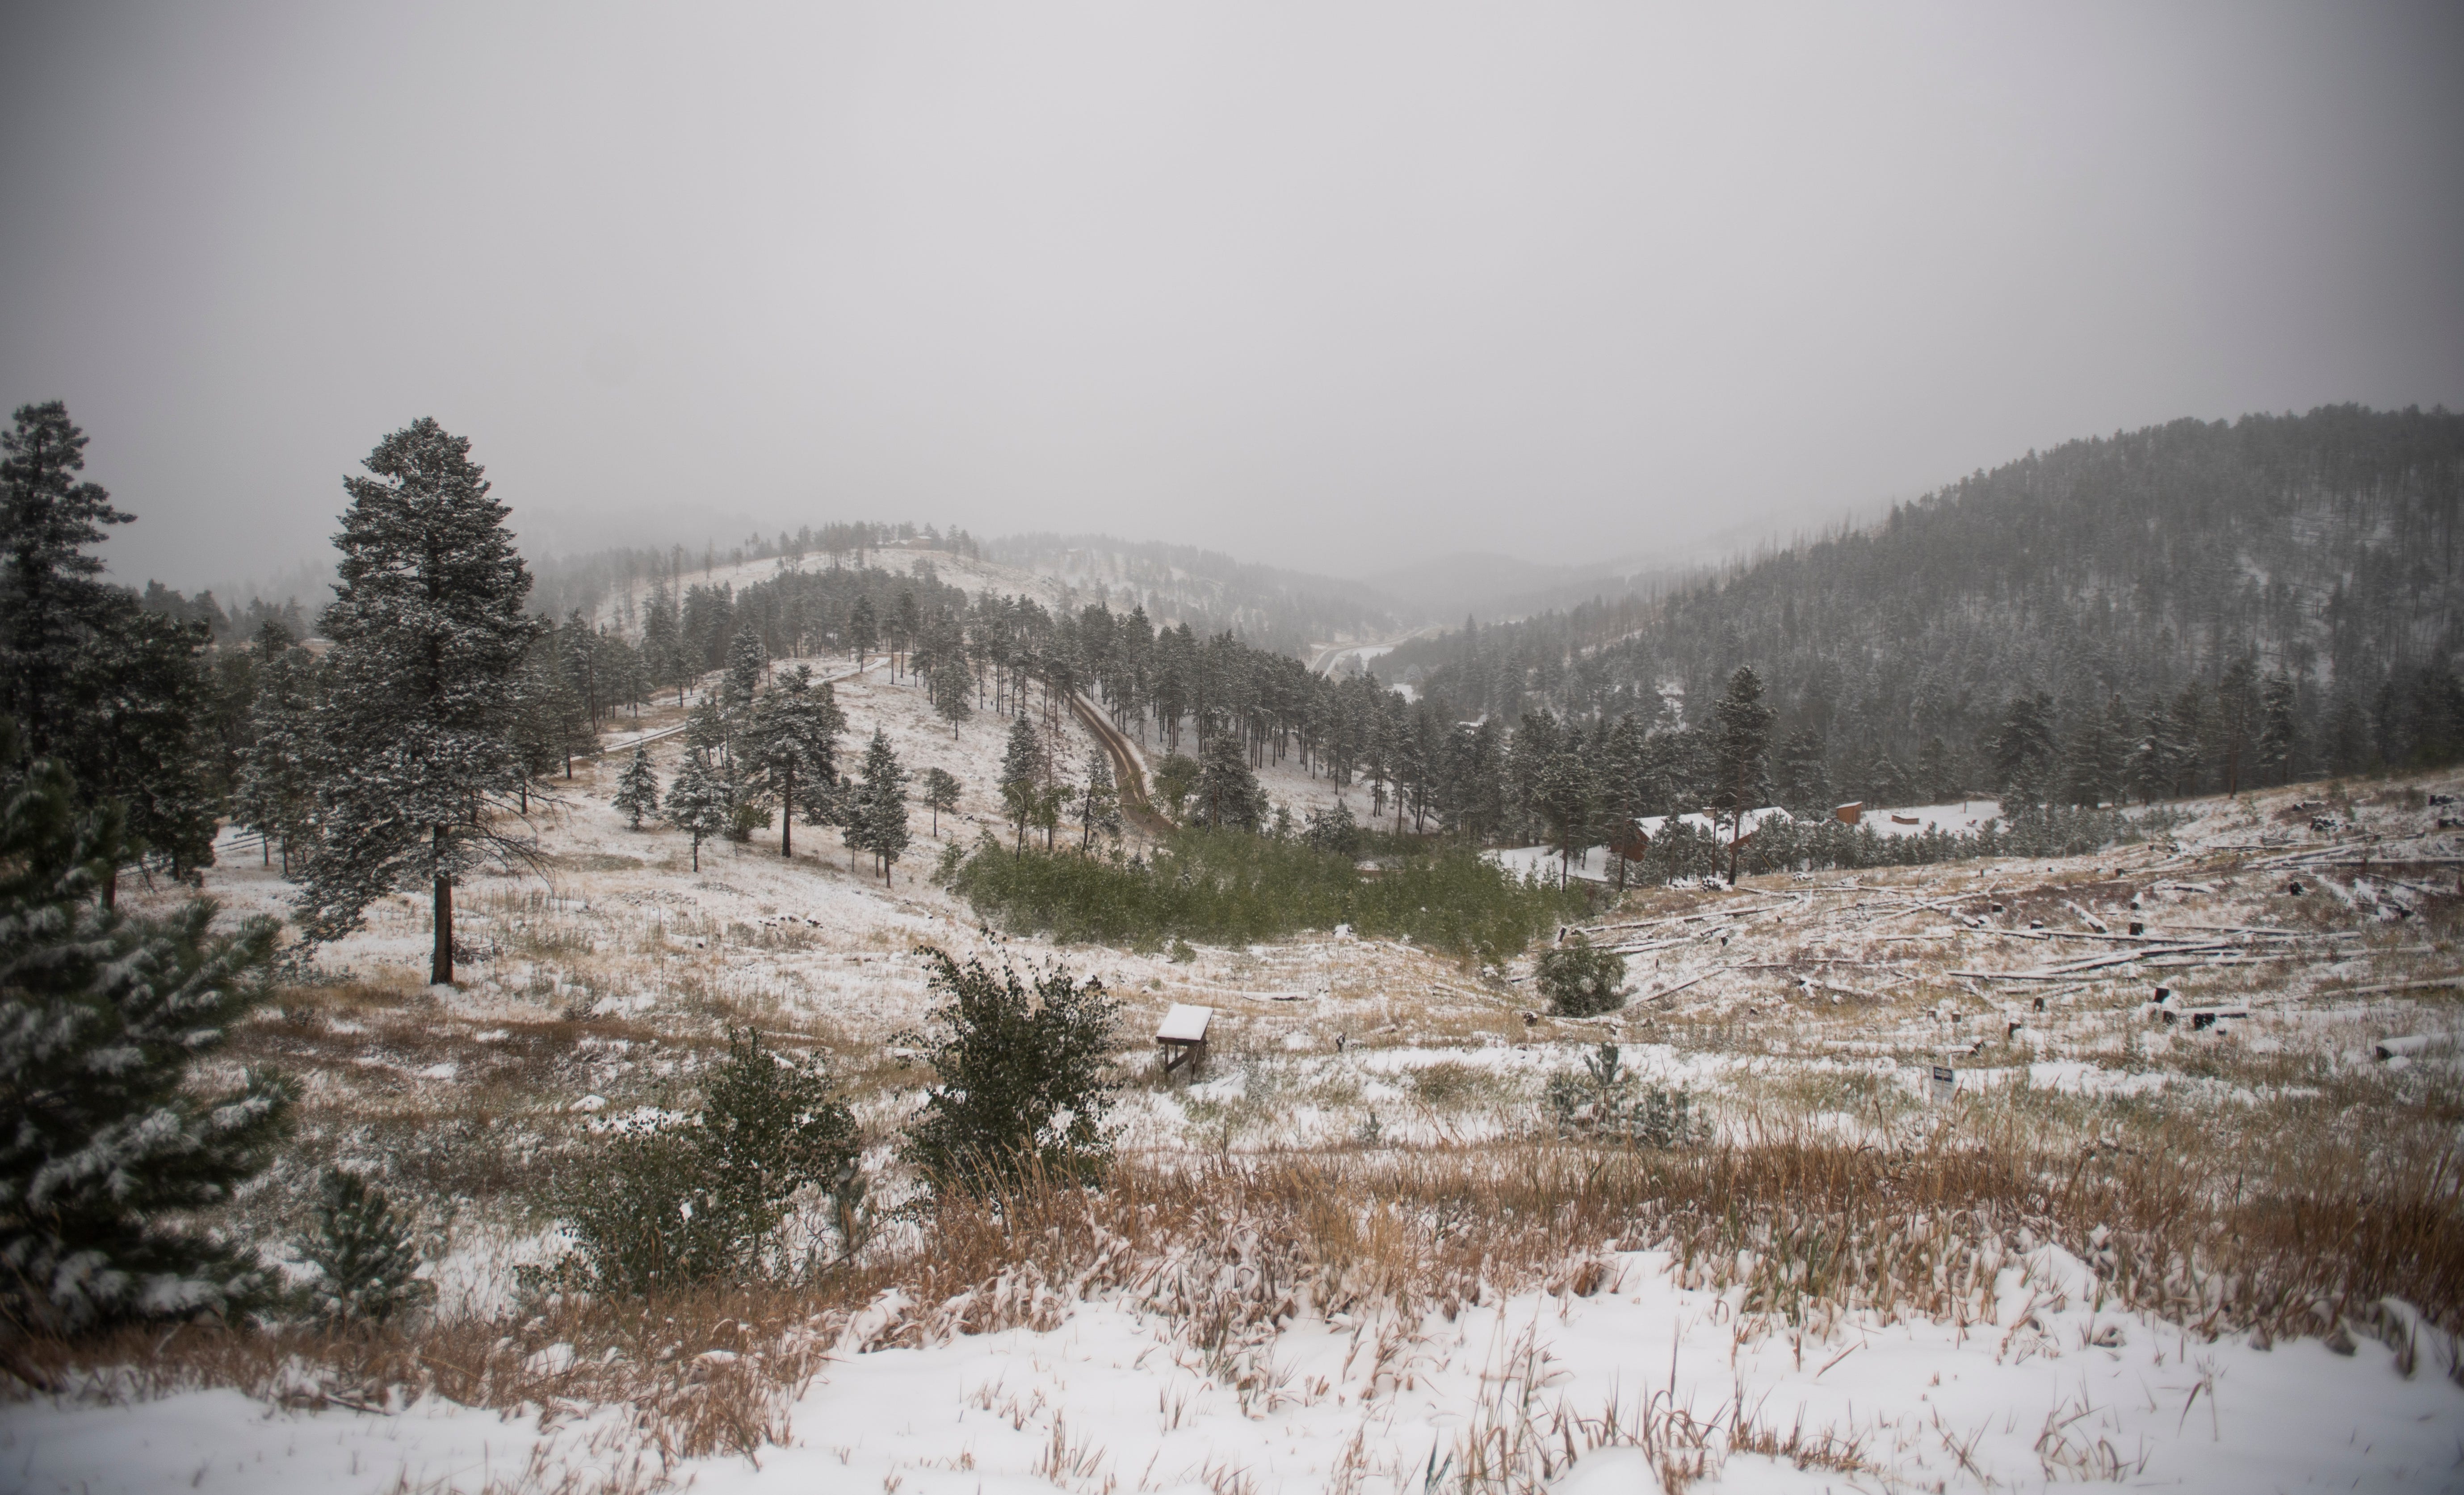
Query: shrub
{"x": 1604, "y": 1102}
{"x": 674, "y": 1203}
{"x": 1228, "y": 888}
{"x": 364, "y": 1253}
{"x": 1580, "y": 980}
{"x": 1021, "y": 1076}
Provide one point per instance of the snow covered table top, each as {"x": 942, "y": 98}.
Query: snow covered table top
{"x": 1184, "y": 1023}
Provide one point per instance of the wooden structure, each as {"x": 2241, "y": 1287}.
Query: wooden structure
{"x": 1849, "y": 814}
{"x": 1182, "y": 1038}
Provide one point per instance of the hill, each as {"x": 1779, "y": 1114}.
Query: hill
{"x": 2176, "y": 571}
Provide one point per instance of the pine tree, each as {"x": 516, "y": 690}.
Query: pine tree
{"x": 700, "y": 803}
{"x": 952, "y": 686}
{"x": 877, "y": 812}
{"x": 277, "y": 793}
{"x": 2024, "y": 752}
{"x": 429, "y": 634}
{"x": 864, "y": 630}
{"x": 940, "y": 794}
{"x": 102, "y": 1018}
{"x": 366, "y": 1263}
{"x": 637, "y": 791}
{"x": 1804, "y": 771}
{"x": 2279, "y": 730}
{"x": 1744, "y": 740}
{"x": 663, "y": 656}
{"x": 1228, "y": 794}
{"x": 1022, "y": 776}
{"x": 1099, "y": 801}
{"x": 49, "y": 588}
{"x": 1568, "y": 800}
{"x": 790, "y": 748}
{"x": 747, "y": 660}
{"x": 120, "y": 695}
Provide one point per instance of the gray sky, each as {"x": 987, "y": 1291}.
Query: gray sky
{"x": 1335, "y": 285}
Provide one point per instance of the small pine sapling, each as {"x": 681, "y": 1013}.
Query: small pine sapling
{"x": 637, "y": 792}
{"x": 1581, "y": 979}
{"x": 364, "y": 1253}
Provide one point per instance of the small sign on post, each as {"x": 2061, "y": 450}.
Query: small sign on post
{"x": 1945, "y": 1081}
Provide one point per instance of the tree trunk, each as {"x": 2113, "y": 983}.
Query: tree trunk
{"x": 440, "y": 963}
{"x": 787, "y": 815}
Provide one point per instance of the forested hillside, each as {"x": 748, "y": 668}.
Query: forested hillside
{"x": 2197, "y": 605}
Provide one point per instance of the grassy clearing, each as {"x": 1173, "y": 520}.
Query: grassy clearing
{"x": 1229, "y": 888}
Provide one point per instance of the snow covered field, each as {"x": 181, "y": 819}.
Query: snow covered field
{"x": 1804, "y": 1011}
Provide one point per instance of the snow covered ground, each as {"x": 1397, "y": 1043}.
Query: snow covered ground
{"x": 1817, "y": 1003}
{"x": 1562, "y": 1388}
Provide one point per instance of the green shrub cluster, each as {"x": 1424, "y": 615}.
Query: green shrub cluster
{"x": 1021, "y": 1076}
{"x": 1229, "y": 888}
{"x": 671, "y": 1203}
{"x": 1580, "y": 980}
{"x": 1605, "y": 1102}
{"x": 1793, "y": 845}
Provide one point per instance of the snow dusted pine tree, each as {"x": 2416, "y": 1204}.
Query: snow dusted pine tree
{"x": 1099, "y": 801}
{"x": 1022, "y": 775}
{"x": 790, "y": 749}
{"x": 877, "y": 811}
{"x": 429, "y": 635}
{"x": 637, "y": 792}
{"x": 940, "y": 794}
{"x": 700, "y": 803}
{"x": 101, "y": 1017}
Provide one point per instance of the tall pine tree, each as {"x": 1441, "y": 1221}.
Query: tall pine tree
{"x": 428, "y": 634}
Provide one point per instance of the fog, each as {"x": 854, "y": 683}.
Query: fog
{"x": 1336, "y": 286}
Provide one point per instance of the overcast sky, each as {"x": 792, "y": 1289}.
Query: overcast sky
{"x": 1337, "y": 285}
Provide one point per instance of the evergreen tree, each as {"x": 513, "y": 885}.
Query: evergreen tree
{"x": 2024, "y": 752}
{"x": 429, "y": 634}
{"x": 1937, "y": 779}
{"x": 1228, "y": 794}
{"x": 790, "y": 747}
{"x": 2279, "y": 730}
{"x": 117, "y": 693}
{"x": 368, "y": 1264}
{"x": 864, "y": 630}
{"x": 663, "y": 656}
{"x": 1744, "y": 744}
{"x": 747, "y": 660}
{"x": 1568, "y": 802}
{"x": 108, "y": 1136}
{"x": 940, "y": 794}
{"x": 1175, "y": 779}
{"x": 1099, "y": 801}
{"x": 2235, "y": 721}
{"x": 877, "y": 812}
{"x": 50, "y": 590}
{"x": 277, "y": 793}
{"x": 1804, "y": 773}
{"x": 953, "y": 688}
{"x": 700, "y": 802}
{"x": 1022, "y": 776}
{"x": 637, "y": 790}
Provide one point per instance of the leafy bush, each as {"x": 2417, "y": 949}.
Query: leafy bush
{"x": 1227, "y": 888}
{"x": 1581, "y": 979}
{"x": 1021, "y": 1076}
{"x": 1604, "y": 1102}
{"x": 364, "y": 1253}
{"x": 675, "y": 1203}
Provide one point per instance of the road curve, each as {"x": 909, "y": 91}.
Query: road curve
{"x": 1126, "y": 772}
